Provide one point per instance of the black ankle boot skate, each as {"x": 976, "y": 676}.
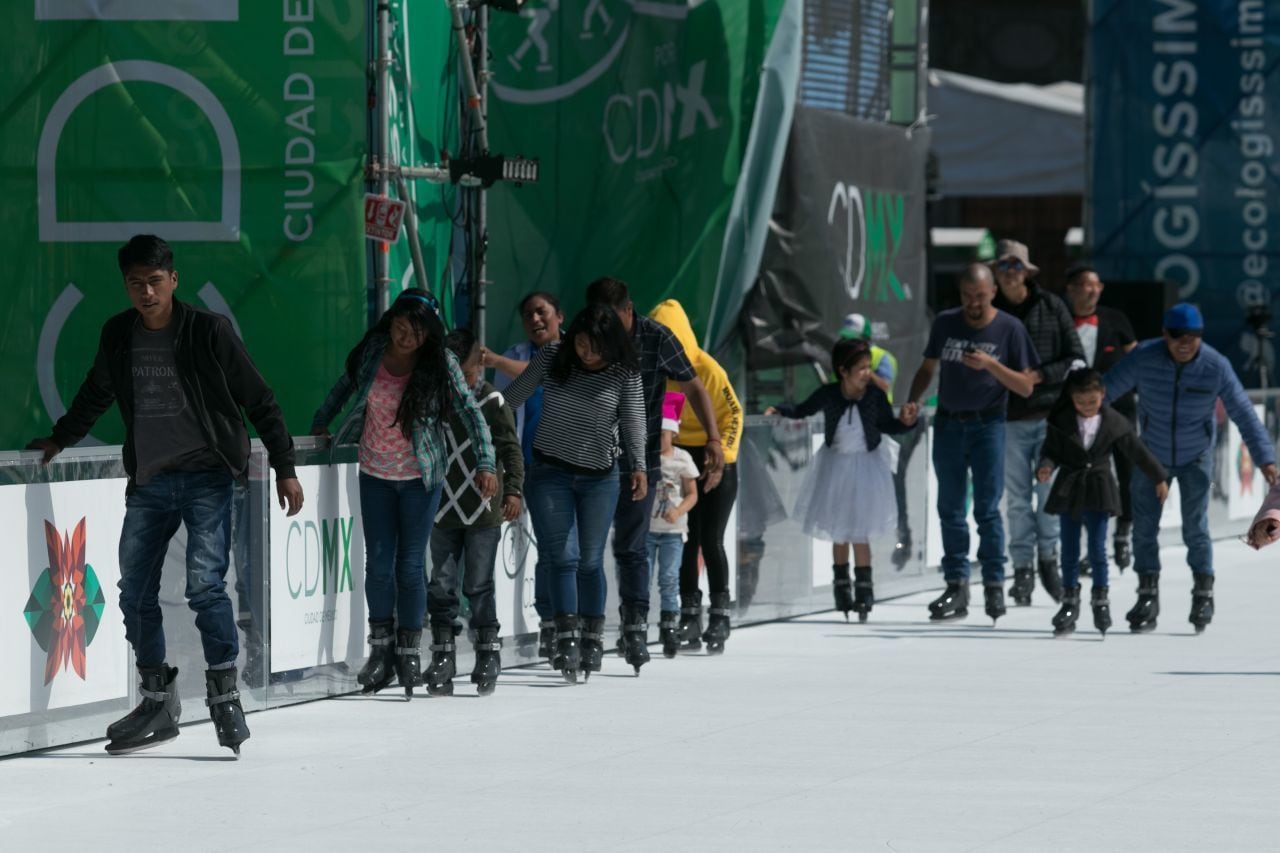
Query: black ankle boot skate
{"x": 691, "y": 622}
{"x": 669, "y": 632}
{"x": 952, "y": 604}
{"x": 1201, "y": 601}
{"x": 717, "y": 623}
{"x": 155, "y": 720}
{"x": 380, "y": 668}
{"x": 993, "y": 601}
{"x": 444, "y": 661}
{"x": 409, "y": 660}
{"x": 568, "y": 654}
{"x": 1101, "y": 610}
{"x": 1142, "y": 617}
{"x": 1122, "y": 543}
{"x": 864, "y": 594}
{"x": 591, "y": 652}
{"x": 1024, "y": 583}
{"x": 635, "y": 637}
{"x": 842, "y": 588}
{"x": 1065, "y": 621}
{"x": 1051, "y": 578}
{"x": 546, "y": 640}
{"x": 224, "y": 708}
{"x": 484, "y": 675}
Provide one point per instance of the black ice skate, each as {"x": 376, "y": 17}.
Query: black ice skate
{"x": 444, "y": 661}
{"x": 993, "y": 601}
{"x": 669, "y": 632}
{"x": 1064, "y": 622}
{"x": 635, "y": 637}
{"x": 380, "y": 669}
{"x": 484, "y": 675}
{"x": 155, "y": 720}
{"x": 1101, "y": 610}
{"x": 408, "y": 660}
{"x": 592, "y": 647}
{"x": 691, "y": 622}
{"x": 952, "y": 604}
{"x": 717, "y": 623}
{"x": 1201, "y": 601}
{"x": 224, "y": 708}
{"x": 1024, "y": 584}
{"x": 864, "y": 595}
{"x": 568, "y": 654}
{"x": 1122, "y": 543}
{"x": 1051, "y": 578}
{"x": 1142, "y": 616}
{"x": 842, "y": 588}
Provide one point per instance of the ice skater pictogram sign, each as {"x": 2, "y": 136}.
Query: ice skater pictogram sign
{"x": 382, "y": 217}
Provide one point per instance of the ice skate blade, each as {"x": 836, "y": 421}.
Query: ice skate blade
{"x": 445, "y": 689}
{"x": 1063, "y": 632}
{"x": 669, "y": 654}
{"x": 570, "y": 675}
{"x": 948, "y": 617}
{"x": 138, "y": 747}
{"x": 1146, "y": 628}
{"x": 1200, "y": 628}
{"x": 862, "y": 617}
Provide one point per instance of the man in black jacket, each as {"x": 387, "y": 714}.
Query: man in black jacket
{"x": 181, "y": 377}
{"x": 1053, "y": 333}
{"x": 1106, "y": 336}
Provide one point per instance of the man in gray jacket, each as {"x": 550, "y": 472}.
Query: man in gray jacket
{"x": 1053, "y": 332}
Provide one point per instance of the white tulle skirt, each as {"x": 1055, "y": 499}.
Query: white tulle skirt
{"x": 848, "y": 496}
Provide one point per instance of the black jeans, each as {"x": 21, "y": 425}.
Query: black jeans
{"x": 707, "y": 522}
{"x": 469, "y": 552}
{"x": 631, "y": 541}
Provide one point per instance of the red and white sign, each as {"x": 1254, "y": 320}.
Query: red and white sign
{"x": 382, "y": 217}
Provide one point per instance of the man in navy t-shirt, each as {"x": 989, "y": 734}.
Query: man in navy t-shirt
{"x": 984, "y": 354}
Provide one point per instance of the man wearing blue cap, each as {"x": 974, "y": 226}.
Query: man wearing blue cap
{"x": 1179, "y": 380}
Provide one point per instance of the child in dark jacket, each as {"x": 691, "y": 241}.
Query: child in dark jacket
{"x": 468, "y": 531}
{"x": 1083, "y": 434}
{"x": 848, "y": 495}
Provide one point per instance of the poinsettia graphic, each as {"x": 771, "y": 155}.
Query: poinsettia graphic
{"x": 65, "y": 607}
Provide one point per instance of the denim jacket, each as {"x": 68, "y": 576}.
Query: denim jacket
{"x": 428, "y": 437}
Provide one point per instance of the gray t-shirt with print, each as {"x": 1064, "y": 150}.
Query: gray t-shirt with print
{"x": 166, "y": 434}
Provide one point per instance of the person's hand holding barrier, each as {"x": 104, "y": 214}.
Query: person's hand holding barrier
{"x": 289, "y": 491}
{"x": 511, "y": 507}
{"x": 47, "y": 445}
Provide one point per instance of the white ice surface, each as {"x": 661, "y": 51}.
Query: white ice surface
{"x": 808, "y": 735}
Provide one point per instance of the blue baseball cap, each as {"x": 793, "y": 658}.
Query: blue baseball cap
{"x": 1184, "y": 316}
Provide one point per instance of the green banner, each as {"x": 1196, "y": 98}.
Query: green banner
{"x": 234, "y": 129}
{"x": 640, "y": 111}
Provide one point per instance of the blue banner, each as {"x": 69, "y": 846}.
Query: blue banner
{"x": 1185, "y": 109}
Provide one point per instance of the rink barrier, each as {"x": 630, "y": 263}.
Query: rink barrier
{"x": 297, "y": 583}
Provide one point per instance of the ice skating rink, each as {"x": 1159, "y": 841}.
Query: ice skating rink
{"x": 807, "y": 735}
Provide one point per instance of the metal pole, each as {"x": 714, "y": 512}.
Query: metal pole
{"x": 383, "y": 158}
{"x": 474, "y": 85}
{"x": 479, "y": 283}
{"x": 411, "y": 232}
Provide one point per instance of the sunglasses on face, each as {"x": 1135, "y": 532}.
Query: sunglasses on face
{"x": 1010, "y": 266}
{"x": 1179, "y": 334}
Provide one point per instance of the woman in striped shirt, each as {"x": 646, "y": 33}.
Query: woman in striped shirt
{"x": 592, "y": 410}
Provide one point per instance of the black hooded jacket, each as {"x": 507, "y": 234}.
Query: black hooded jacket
{"x": 1053, "y": 332}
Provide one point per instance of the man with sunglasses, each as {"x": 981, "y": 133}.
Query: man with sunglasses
{"x": 1032, "y": 531}
{"x": 1179, "y": 379}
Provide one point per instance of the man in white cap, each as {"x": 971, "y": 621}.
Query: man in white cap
{"x": 1053, "y": 333}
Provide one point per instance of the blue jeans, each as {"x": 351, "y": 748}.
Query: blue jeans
{"x": 397, "y": 517}
{"x": 563, "y": 502}
{"x": 1095, "y": 526}
{"x": 1194, "y": 480}
{"x": 1031, "y": 529}
{"x": 471, "y": 552}
{"x": 201, "y": 500}
{"x": 667, "y": 549}
{"x": 961, "y": 449}
{"x": 542, "y": 567}
{"x": 630, "y": 546}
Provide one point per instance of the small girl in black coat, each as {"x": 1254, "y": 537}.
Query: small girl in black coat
{"x": 848, "y": 494}
{"x": 1083, "y": 434}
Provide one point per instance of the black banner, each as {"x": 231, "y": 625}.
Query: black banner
{"x": 847, "y": 235}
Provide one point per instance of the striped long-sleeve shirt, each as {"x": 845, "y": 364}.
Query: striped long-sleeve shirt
{"x": 587, "y": 420}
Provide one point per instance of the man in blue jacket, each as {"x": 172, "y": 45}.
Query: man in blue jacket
{"x": 1179, "y": 380}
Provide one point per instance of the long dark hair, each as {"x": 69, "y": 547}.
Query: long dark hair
{"x": 601, "y": 325}
{"x": 428, "y": 394}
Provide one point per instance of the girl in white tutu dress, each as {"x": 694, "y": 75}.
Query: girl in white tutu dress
{"x": 848, "y": 496}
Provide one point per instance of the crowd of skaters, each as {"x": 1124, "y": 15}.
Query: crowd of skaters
{"x": 617, "y": 420}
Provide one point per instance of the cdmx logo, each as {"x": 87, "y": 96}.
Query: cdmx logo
{"x": 869, "y": 226}
{"x": 66, "y": 604}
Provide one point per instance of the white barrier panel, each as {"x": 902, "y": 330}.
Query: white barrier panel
{"x": 513, "y": 589}
{"x": 317, "y": 573}
{"x": 63, "y": 561}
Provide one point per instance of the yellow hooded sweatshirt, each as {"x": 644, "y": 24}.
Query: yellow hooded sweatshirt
{"x": 727, "y": 408}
